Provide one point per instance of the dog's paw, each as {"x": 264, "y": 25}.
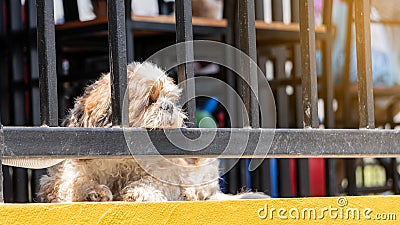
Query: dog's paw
{"x": 193, "y": 194}
{"x": 141, "y": 194}
{"x": 101, "y": 193}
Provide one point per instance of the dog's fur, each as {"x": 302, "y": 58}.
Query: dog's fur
{"x": 153, "y": 101}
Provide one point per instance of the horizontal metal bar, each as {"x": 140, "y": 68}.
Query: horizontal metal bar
{"x": 57, "y": 142}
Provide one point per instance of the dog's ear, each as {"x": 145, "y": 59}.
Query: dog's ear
{"x": 155, "y": 91}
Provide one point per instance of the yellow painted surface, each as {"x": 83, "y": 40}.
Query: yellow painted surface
{"x": 342, "y": 210}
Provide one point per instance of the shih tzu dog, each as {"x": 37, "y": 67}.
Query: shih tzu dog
{"x": 153, "y": 101}
{"x": 153, "y": 104}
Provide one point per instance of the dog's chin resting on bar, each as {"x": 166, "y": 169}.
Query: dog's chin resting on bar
{"x": 153, "y": 99}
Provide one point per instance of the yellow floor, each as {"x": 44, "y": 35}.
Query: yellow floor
{"x": 337, "y": 210}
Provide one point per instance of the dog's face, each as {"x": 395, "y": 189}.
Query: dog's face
{"x": 153, "y": 98}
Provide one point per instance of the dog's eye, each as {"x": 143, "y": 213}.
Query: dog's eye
{"x": 150, "y": 102}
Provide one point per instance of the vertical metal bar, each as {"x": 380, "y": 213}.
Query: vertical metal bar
{"x": 364, "y": 64}
{"x": 35, "y": 183}
{"x": 351, "y": 167}
{"x": 247, "y": 40}
{"x": 20, "y": 179}
{"x": 184, "y": 33}
{"x": 33, "y": 61}
{"x": 303, "y": 178}
{"x": 244, "y": 175}
{"x": 118, "y": 63}
{"x": 230, "y": 7}
{"x": 233, "y": 178}
{"x": 129, "y": 32}
{"x": 1, "y": 162}
{"x": 285, "y": 183}
{"x": 47, "y": 64}
{"x": 279, "y": 69}
{"x": 30, "y": 7}
{"x": 8, "y": 186}
{"x": 4, "y": 91}
{"x": 330, "y": 172}
{"x": 309, "y": 67}
{"x": 261, "y": 176}
{"x": 4, "y": 112}
{"x": 17, "y": 64}
{"x": 346, "y": 112}
{"x": 328, "y": 94}
{"x": 309, "y": 83}
{"x": 232, "y": 175}
{"x": 296, "y": 72}
{"x": 2, "y": 25}
{"x": 395, "y": 179}
{"x": 327, "y": 65}
{"x": 265, "y": 177}
{"x": 284, "y": 178}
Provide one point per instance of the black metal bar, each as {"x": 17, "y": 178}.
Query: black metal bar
{"x": 395, "y": 179}
{"x": 60, "y": 142}
{"x": 184, "y": 33}
{"x": 8, "y": 186}
{"x": 265, "y": 178}
{"x": 346, "y": 112}
{"x": 129, "y": 32}
{"x": 309, "y": 67}
{"x": 16, "y": 64}
{"x": 2, "y": 146}
{"x": 4, "y": 90}
{"x": 279, "y": 70}
{"x": 35, "y": 183}
{"x": 230, "y": 7}
{"x": 364, "y": 64}
{"x": 233, "y": 178}
{"x": 118, "y": 63}
{"x": 47, "y": 64}
{"x": 30, "y": 8}
{"x": 20, "y": 180}
{"x": 296, "y": 72}
{"x": 328, "y": 86}
{"x": 330, "y": 171}
{"x": 2, "y": 19}
{"x": 303, "y": 178}
{"x": 247, "y": 40}
{"x": 351, "y": 167}
{"x": 284, "y": 180}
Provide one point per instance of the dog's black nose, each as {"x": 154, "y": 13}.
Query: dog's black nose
{"x": 167, "y": 106}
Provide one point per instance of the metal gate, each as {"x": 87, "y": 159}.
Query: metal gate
{"x": 52, "y": 142}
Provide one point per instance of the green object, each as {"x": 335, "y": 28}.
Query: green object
{"x": 205, "y": 120}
